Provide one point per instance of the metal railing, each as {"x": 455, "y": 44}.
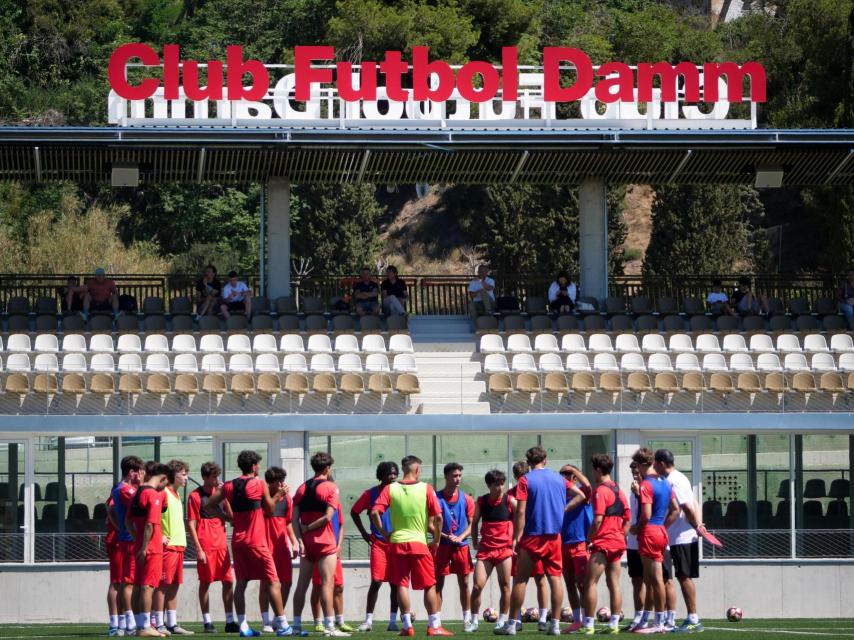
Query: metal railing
{"x": 439, "y": 294}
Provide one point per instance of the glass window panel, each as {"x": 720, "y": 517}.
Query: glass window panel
{"x": 725, "y": 480}
{"x": 194, "y": 450}
{"x": 141, "y": 446}
{"x": 823, "y": 495}
{"x": 230, "y": 451}
{"x": 421, "y": 445}
{"x": 11, "y": 509}
{"x": 478, "y": 453}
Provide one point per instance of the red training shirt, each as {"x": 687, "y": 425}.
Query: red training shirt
{"x": 248, "y": 526}
{"x": 327, "y": 493}
{"x": 112, "y": 533}
{"x": 495, "y": 536}
{"x": 433, "y": 509}
{"x": 152, "y": 502}
{"x": 211, "y": 531}
{"x": 277, "y": 528}
{"x": 610, "y": 536}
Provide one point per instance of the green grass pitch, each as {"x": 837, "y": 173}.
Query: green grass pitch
{"x": 715, "y": 629}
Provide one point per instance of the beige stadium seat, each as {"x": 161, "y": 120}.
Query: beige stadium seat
{"x": 129, "y": 383}
{"x": 407, "y": 384}
{"x": 243, "y": 384}
{"x": 296, "y": 383}
{"x": 500, "y": 384}
{"x": 850, "y": 382}
{"x": 528, "y": 383}
{"x": 214, "y": 383}
{"x": 556, "y": 383}
{"x": 380, "y": 383}
{"x": 45, "y": 383}
{"x": 666, "y": 383}
{"x": 269, "y": 384}
{"x": 102, "y": 383}
{"x": 611, "y": 383}
{"x": 721, "y": 383}
{"x": 638, "y": 382}
{"x": 832, "y": 383}
{"x": 324, "y": 383}
{"x": 749, "y": 383}
{"x": 17, "y": 383}
{"x": 693, "y": 382}
{"x": 803, "y": 383}
{"x": 776, "y": 383}
{"x": 583, "y": 383}
{"x": 352, "y": 383}
{"x": 158, "y": 384}
{"x": 74, "y": 384}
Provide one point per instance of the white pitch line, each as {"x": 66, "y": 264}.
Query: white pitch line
{"x": 785, "y": 631}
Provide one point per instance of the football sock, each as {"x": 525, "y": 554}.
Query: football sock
{"x": 229, "y": 618}
{"x": 265, "y": 618}
{"x": 554, "y": 624}
{"x": 588, "y": 621}
{"x": 339, "y": 619}
{"x": 122, "y": 621}
{"x": 281, "y": 622}
{"x": 318, "y": 621}
{"x": 693, "y": 618}
{"x": 434, "y": 621}
{"x": 146, "y": 620}
{"x": 637, "y": 618}
{"x": 369, "y": 618}
{"x": 644, "y": 617}
{"x": 577, "y": 616}
{"x": 671, "y": 617}
{"x": 502, "y": 618}
{"x": 475, "y": 617}
{"x": 615, "y": 620}
{"x": 130, "y": 620}
{"x": 660, "y": 618}
{"x": 158, "y": 619}
{"x": 298, "y": 621}
{"x": 392, "y": 618}
{"x": 241, "y": 620}
{"x": 172, "y": 618}
{"x": 114, "y": 621}
{"x": 206, "y": 618}
{"x": 327, "y": 622}
{"x": 406, "y": 618}
{"x": 466, "y": 616}
{"x": 544, "y": 615}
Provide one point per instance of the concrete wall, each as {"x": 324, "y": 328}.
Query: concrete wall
{"x": 763, "y": 590}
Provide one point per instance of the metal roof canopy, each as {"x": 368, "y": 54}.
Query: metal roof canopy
{"x": 382, "y": 154}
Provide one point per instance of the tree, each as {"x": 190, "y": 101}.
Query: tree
{"x": 702, "y": 229}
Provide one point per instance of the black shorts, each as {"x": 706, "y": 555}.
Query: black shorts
{"x": 235, "y": 307}
{"x": 106, "y": 305}
{"x": 686, "y": 559}
{"x": 636, "y": 564}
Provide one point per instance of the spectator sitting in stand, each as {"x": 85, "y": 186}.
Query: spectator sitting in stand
{"x": 746, "y": 302}
{"x": 846, "y": 296}
{"x": 366, "y": 294}
{"x": 71, "y": 295}
{"x": 236, "y": 297}
{"x": 481, "y": 293}
{"x": 562, "y": 294}
{"x": 101, "y": 295}
{"x": 394, "y": 293}
{"x": 717, "y": 301}
{"x": 208, "y": 290}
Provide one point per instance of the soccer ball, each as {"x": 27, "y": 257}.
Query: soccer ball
{"x": 604, "y": 614}
{"x": 566, "y": 614}
{"x": 531, "y": 615}
{"x": 490, "y": 614}
{"x": 734, "y": 614}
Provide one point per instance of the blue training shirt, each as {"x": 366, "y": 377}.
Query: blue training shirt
{"x": 545, "y": 502}
{"x": 454, "y": 516}
{"x": 576, "y": 524}
{"x": 660, "y": 491}
{"x": 385, "y": 518}
{"x": 119, "y": 507}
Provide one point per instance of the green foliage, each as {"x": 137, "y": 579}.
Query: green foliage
{"x": 703, "y": 229}
{"x": 335, "y": 226}
{"x": 831, "y": 213}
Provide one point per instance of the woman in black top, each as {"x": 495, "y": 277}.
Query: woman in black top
{"x": 394, "y": 293}
{"x": 207, "y": 291}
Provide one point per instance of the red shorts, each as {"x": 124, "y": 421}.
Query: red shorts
{"x": 545, "y": 549}
{"x": 536, "y": 571}
{"x": 652, "y": 541}
{"x": 379, "y": 560}
{"x": 217, "y": 567}
{"x": 575, "y": 555}
{"x": 173, "y": 566}
{"x": 451, "y": 558}
{"x": 116, "y": 558}
{"x": 254, "y": 563}
{"x": 128, "y": 560}
{"x": 284, "y": 563}
{"x": 612, "y": 555}
{"x": 315, "y": 552}
{"x": 404, "y": 565}
{"x": 339, "y": 574}
{"x": 148, "y": 573}
{"x": 494, "y": 556}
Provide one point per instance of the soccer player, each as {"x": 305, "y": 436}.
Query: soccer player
{"x": 658, "y": 509}
{"x": 414, "y": 510}
{"x": 573, "y": 535}
{"x": 213, "y": 562}
{"x": 175, "y": 541}
{"x": 387, "y": 473}
{"x": 541, "y": 497}
{"x": 315, "y": 504}
{"x": 607, "y": 537}
{"x": 143, "y": 519}
{"x": 120, "y": 554}
{"x": 684, "y": 542}
{"x": 492, "y": 537}
{"x": 280, "y": 539}
{"x": 253, "y": 560}
{"x": 111, "y": 543}
{"x": 520, "y": 468}
{"x": 453, "y": 555}
{"x": 338, "y": 582}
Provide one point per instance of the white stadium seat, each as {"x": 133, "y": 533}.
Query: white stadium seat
{"x": 185, "y": 363}
{"x": 238, "y": 343}
{"x": 266, "y": 343}
{"x": 400, "y": 343}
{"x": 815, "y": 343}
{"x": 687, "y": 362}
{"x": 345, "y": 343}
{"x": 546, "y": 343}
{"x": 681, "y": 343}
{"x": 524, "y": 363}
{"x": 320, "y": 362}
{"x": 788, "y": 343}
{"x": 129, "y": 363}
{"x": 76, "y": 343}
{"x": 376, "y": 362}
{"x": 577, "y": 362}
{"x": 600, "y": 342}
{"x": 101, "y": 343}
{"x": 741, "y": 362}
{"x": 373, "y": 343}
{"x": 157, "y": 363}
{"x": 627, "y": 343}
{"x": 734, "y": 343}
{"x": 795, "y": 362}
{"x": 491, "y": 343}
{"x": 846, "y": 362}
{"x": 129, "y": 343}
{"x": 240, "y": 363}
{"x": 550, "y": 362}
{"x": 213, "y": 363}
{"x": 714, "y": 362}
{"x": 605, "y": 362}
{"x": 495, "y": 363}
{"x": 46, "y": 362}
{"x": 156, "y": 343}
{"x": 518, "y": 343}
{"x": 211, "y": 343}
{"x": 74, "y": 363}
{"x": 268, "y": 363}
{"x": 46, "y": 343}
{"x": 104, "y": 363}
{"x": 708, "y": 343}
{"x": 841, "y": 342}
{"x": 319, "y": 343}
{"x": 762, "y": 343}
{"x": 823, "y": 362}
{"x": 18, "y": 363}
{"x": 660, "y": 362}
{"x": 632, "y": 362}
{"x": 573, "y": 343}
{"x": 349, "y": 363}
{"x": 294, "y": 362}
{"x": 19, "y": 343}
{"x": 184, "y": 343}
{"x": 290, "y": 343}
{"x": 653, "y": 343}
{"x": 768, "y": 362}
{"x": 404, "y": 363}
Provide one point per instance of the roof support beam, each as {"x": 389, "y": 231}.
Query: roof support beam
{"x": 680, "y": 166}
{"x": 363, "y": 165}
{"x": 519, "y": 166}
{"x": 200, "y": 170}
{"x": 839, "y": 167}
{"x": 37, "y": 159}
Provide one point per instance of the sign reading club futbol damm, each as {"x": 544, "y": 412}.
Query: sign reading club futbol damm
{"x": 568, "y": 90}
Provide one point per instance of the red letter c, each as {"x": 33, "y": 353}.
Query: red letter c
{"x": 116, "y": 71}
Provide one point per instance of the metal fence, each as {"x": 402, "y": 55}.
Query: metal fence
{"x": 439, "y": 294}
